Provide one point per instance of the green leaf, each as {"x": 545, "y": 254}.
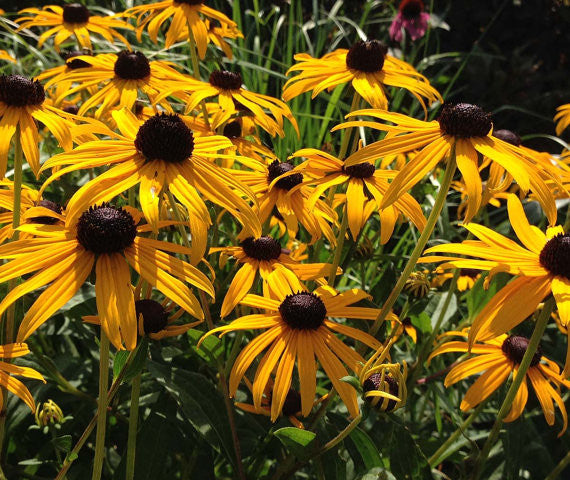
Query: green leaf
{"x": 298, "y": 442}
{"x": 366, "y": 448}
{"x": 407, "y": 461}
{"x": 352, "y": 381}
{"x": 63, "y": 443}
{"x": 137, "y": 365}
{"x": 201, "y": 404}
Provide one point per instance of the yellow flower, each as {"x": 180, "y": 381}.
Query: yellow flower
{"x": 49, "y": 413}
{"x": 33, "y": 209}
{"x": 541, "y": 267}
{"x": 298, "y": 330}
{"x": 465, "y": 281}
{"x": 22, "y": 103}
{"x": 217, "y": 35}
{"x": 469, "y": 129}
{"x": 105, "y": 237}
{"x": 72, "y": 19}
{"x": 4, "y": 55}
{"x": 277, "y": 197}
{"x": 562, "y": 118}
{"x": 123, "y": 75}
{"x": 184, "y": 13}
{"x": 263, "y": 255}
{"x": 367, "y": 66}
{"x": 227, "y": 88}
{"x": 156, "y": 320}
{"x": 365, "y": 188}
{"x": 160, "y": 153}
{"x": 14, "y": 350}
{"x": 497, "y": 359}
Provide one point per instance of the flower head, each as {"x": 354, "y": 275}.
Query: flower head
{"x": 411, "y": 18}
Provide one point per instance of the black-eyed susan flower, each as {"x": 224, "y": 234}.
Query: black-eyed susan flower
{"x": 263, "y": 255}
{"x": 299, "y": 330}
{"x": 369, "y": 68}
{"x": 75, "y": 20}
{"x": 276, "y": 197}
{"x": 541, "y": 267}
{"x": 107, "y": 238}
{"x": 291, "y": 407}
{"x": 404, "y": 325}
{"x": 463, "y": 127}
{"x": 384, "y": 386}
{"x": 159, "y": 154}
{"x": 562, "y": 118}
{"x": 217, "y": 34}
{"x": 119, "y": 78}
{"x": 241, "y": 132}
{"x": 185, "y": 14}
{"x": 466, "y": 280}
{"x": 33, "y": 209}
{"x": 11, "y": 384}
{"x": 496, "y": 359}
{"x": 418, "y": 284}
{"x": 49, "y": 413}
{"x": 227, "y": 88}
{"x": 365, "y": 188}
{"x": 155, "y": 320}
{"x": 22, "y": 102}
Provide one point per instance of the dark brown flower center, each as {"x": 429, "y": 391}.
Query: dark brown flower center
{"x": 155, "y": 317}
{"x": 75, "y": 13}
{"x": 131, "y": 66}
{"x": 508, "y": 136}
{"x": 262, "y": 248}
{"x": 165, "y": 137}
{"x": 360, "y": 170}
{"x": 515, "y": 347}
{"x": 45, "y": 220}
{"x": 469, "y": 272}
{"x": 73, "y": 109}
{"x": 106, "y": 229}
{"x": 303, "y": 311}
{"x": 232, "y": 129}
{"x": 226, "y": 80}
{"x": 18, "y": 91}
{"x": 292, "y": 404}
{"x": 276, "y": 169}
{"x": 374, "y": 382}
{"x": 464, "y": 120}
{"x": 73, "y": 63}
{"x": 555, "y": 256}
{"x": 411, "y": 9}
{"x": 366, "y": 56}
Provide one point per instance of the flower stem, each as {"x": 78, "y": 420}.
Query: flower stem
{"x": 422, "y": 241}
{"x": 11, "y": 311}
{"x": 438, "y": 456}
{"x": 559, "y": 468}
{"x": 339, "y": 245}
{"x": 72, "y": 456}
{"x": 102, "y": 407}
{"x": 221, "y": 369}
{"x": 513, "y": 389}
{"x": 133, "y": 422}
{"x": 428, "y": 344}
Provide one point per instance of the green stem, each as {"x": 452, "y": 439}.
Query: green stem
{"x": 428, "y": 344}
{"x": 513, "y": 389}
{"x": 339, "y": 244}
{"x": 221, "y": 369}
{"x": 559, "y": 468}
{"x": 72, "y": 456}
{"x": 422, "y": 241}
{"x": 438, "y": 456}
{"x": 11, "y": 311}
{"x": 102, "y": 407}
{"x": 133, "y": 422}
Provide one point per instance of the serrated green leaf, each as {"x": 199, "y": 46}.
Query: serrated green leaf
{"x": 298, "y": 442}
{"x": 407, "y": 461}
{"x": 366, "y": 448}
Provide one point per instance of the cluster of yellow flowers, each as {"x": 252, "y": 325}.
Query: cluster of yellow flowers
{"x": 193, "y": 147}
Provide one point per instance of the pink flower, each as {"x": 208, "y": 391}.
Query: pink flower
{"x": 412, "y": 18}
